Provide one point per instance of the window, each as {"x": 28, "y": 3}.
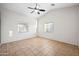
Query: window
{"x": 49, "y": 27}
{"x": 22, "y": 27}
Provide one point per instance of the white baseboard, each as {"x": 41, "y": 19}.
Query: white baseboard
{"x": 8, "y": 41}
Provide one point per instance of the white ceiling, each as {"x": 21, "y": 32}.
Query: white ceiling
{"x": 22, "y": 7}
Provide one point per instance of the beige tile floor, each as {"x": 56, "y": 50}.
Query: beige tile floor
{"x": 38, "y": 46}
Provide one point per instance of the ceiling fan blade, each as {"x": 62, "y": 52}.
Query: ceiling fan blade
{"x": 38, "y": 12}
{"x": 30, "y": 8}
{"x": 32, "y": 11}
{"x": 42, "y": 10}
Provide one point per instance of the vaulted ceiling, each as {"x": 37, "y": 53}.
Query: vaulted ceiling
{"x": 22, "y": 7}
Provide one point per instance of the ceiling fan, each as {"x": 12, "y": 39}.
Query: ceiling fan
{"x": 36, "y": 9}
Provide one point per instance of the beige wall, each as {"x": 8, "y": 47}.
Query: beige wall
{"x": 65, "y": 25}
{"x": 78, "y": 24}
{"x": 10, "y": 20}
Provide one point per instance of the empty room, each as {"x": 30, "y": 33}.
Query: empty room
{"x": 39, "y": 29}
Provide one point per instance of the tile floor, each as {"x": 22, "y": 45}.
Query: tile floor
{"x": 38, "y": 46}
